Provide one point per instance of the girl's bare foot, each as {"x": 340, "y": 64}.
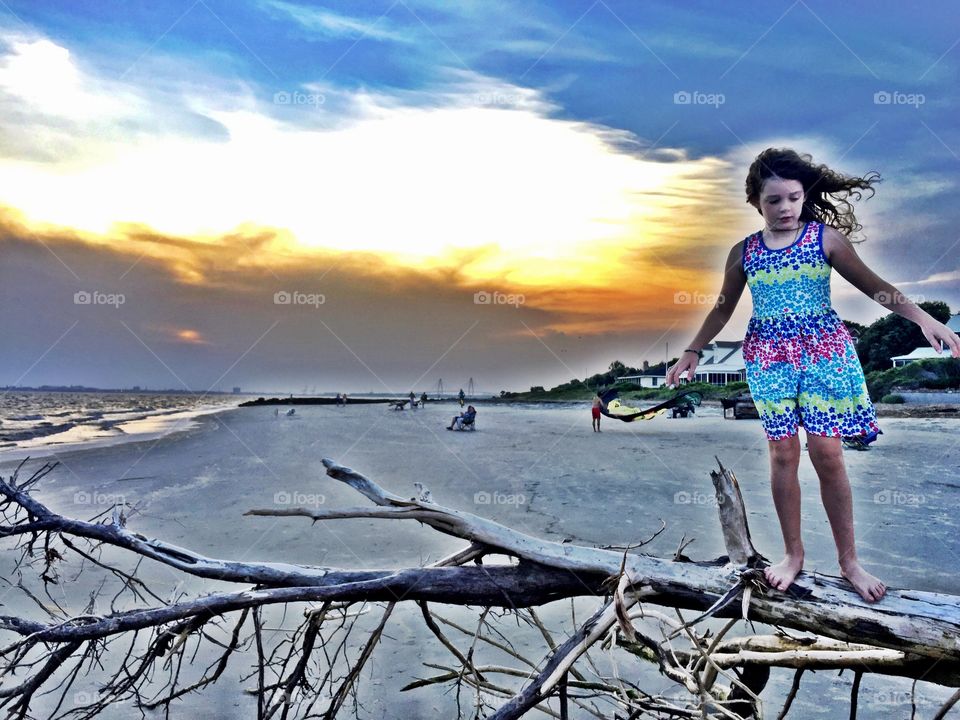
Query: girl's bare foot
{"x": 870, "y": 588}
{"x": 781, "y": 575}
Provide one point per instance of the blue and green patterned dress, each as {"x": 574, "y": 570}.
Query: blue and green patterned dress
{"x": 801, "y": 363}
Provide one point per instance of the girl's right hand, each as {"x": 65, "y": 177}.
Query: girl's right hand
{"x": 941, "y": 338}
{"x": 688, "y": 361}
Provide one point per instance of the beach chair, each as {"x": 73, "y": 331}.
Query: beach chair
{"x": 727, "y": 404}
{"x": 861, "y": 442}
{"x": 682, "y": 411}
{"x": 464, "y": 423}
{"x": 742, "y": 406}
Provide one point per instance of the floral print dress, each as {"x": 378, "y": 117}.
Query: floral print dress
{"x": 802, "y": 367}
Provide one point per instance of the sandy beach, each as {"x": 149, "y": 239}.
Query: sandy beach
{"x": 535, "y": 468}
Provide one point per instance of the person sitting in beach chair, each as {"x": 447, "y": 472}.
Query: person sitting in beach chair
{"x": 465, "y": 420}
{"x": 861, "y": 442}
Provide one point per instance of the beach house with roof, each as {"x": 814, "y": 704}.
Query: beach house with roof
{"x": 722, "y": 363}
{"x": 926, "y": 352}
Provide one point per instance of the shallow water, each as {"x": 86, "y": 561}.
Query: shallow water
{"x": 35, "y": 423}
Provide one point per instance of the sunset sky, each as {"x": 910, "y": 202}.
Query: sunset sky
{"x": 277, "y": 195}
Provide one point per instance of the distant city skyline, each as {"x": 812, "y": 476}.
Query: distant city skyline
{"x": 278, "y": 193}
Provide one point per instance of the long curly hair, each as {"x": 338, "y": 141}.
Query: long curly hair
{"x": 827, "y": 192}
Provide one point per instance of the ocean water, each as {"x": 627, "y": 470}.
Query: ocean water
{"x": 36, "y": 423}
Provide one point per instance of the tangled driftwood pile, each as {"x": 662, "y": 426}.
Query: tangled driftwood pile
{"x": 309, "y": 671}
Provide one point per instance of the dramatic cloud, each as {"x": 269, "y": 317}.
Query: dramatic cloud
{"x": 280, "y": 195}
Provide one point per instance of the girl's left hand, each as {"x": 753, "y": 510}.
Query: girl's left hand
{"x": 941, "y": 337}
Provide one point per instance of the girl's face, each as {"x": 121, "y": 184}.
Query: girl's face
{"x": 781, "y": 202}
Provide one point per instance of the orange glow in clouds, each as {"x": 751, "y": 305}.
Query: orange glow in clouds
{"x": 494, "y": 197}
{"x": 190, "y": 336}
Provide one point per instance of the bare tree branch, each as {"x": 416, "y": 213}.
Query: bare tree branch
{"x": 910, "y": 634}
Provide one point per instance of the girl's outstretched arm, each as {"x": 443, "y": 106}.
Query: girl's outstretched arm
{"x": 842, "y": 255}
{"x": 734, "y": 281}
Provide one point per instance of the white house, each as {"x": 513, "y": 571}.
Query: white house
{"x": 645, "y": 379}
{"x": 921, "y": 353}
{"x": 927, "y": 352}
{"x": 722, "y": 363}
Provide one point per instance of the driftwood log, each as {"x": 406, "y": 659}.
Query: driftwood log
{"x": 909, "y": 633}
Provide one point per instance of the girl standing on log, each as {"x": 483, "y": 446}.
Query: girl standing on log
{"x": 802, "y": 366}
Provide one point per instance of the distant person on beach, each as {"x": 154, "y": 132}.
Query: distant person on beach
{"x": 466, "y": 417}
{"x": 413, "y": 400}
{"x": 595, "y": 412}
{"x": 461, "y": 396}
{"x": 339, "y": 400}
{"x": 802, "y": 366}
{"x": 423, "y": 400}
